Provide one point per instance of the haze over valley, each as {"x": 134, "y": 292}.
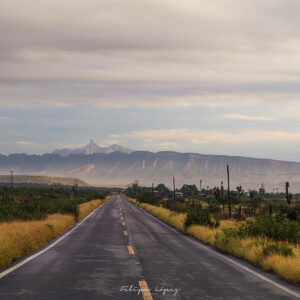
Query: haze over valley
{"x": 120, "y": 165}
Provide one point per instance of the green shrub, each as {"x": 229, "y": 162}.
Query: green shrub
{"x": 31, "y": 203}
{"x": 292, "y": 213}
{"x": 226, "y": 238}
{"x": 274, "y": 227}
{"x": 200, "y": 216}
{"x": 177, "y": 206}
{"x": 148, "y": 197}
{"x": 213, "y": 207}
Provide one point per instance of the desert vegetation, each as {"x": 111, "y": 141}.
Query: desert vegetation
{"x": 264, "y": 228}
{"x": 29, "y": 203}
{"x": 30, "y": 217}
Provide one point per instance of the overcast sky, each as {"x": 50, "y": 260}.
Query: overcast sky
{"x": 217, "y": 77}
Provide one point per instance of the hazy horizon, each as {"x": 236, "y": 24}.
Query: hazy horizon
{"x": 77, "y": 146}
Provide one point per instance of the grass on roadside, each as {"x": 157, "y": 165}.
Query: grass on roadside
{"x": 19, "y": 238}
{"x": 250, "y": 248}
{"x": 86, "y": 207}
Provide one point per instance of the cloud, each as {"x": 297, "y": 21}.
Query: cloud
{"x": 248, "y": 118}
{"x": 108, "y": 142}
{"x": 237, "y": 59}
{"x": 164, "y": 138}
{"x": 146, "y": 54}
{"x": 25, "y": 143}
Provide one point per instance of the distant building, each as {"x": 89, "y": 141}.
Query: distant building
{"x": 178, "y": 195}
{"x": 203, "y": 195}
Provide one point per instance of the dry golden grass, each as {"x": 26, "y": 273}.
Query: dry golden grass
{"x": 20, "y": 238}
{"x": 87, "y": 207}
{"x": 173, "y": 219}
{"x": 250, "y": 249}
{"x": 23, "y": 237}
{"x": 204, "y": 204}
{"x": 285, "y": 267}
{"x": 132, "y": 200}
{"x": 202, "y": 233}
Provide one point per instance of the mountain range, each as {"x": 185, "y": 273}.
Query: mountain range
{"x": 120, "y": 165}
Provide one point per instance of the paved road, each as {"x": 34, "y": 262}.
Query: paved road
{"x": 94, "y": 262}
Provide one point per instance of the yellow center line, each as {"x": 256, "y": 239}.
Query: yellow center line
{"x": 145, "y": 290}
{"x": 130, "y": 250}
{"x": 123, "y": 223}
{"x": 125, "y": 232}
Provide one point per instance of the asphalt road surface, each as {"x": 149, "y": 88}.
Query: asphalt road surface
{"x": 122, "y": 252}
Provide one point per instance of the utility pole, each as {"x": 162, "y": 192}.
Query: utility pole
{"x": 11, "y": 178}
{"x": 222, "y": 189}
{"x": 288, "y": 196}
{"x": 200, "y": 185}
{"x": 229, "y": 200}
{"x": 174, "y": 189}
{"x": 152, "y": 188}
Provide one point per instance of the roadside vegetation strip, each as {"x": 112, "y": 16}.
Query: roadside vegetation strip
{"x": 87, "y": 207}
{"x": 20, "y": 238}
{"x": 281, "y": 258}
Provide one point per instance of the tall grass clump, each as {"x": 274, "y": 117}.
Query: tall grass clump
{"x": 287, "y": 267}
{"x": 278, "y": 249}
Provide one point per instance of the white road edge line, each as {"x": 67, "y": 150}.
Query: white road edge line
{"x": 23, "y": 262}
{"x": 215, "y": 253}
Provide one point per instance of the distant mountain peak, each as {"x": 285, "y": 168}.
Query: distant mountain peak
{"x": 92, "y": 148}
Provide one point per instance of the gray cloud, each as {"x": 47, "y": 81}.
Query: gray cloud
{"x": 230, "y": 55}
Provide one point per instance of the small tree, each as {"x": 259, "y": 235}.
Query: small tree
{"x": 148, "y": 197}
{"x": 189, "y": 190}
{"x": 163, "y": 190}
